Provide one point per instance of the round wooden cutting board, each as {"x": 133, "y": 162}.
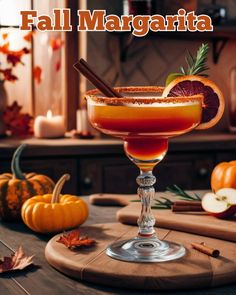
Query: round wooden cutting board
{"x": 195, "y": 270}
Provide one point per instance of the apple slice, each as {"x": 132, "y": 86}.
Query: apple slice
{"x": 222, "y": 204}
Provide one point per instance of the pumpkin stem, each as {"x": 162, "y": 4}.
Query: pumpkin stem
{"x": 58, "y": 187}
{"x": 15, "y": 163}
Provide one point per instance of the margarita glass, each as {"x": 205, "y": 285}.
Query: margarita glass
{"x": 144, "y": 120}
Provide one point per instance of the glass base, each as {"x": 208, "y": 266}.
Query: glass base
{"x": 145, "y": 250}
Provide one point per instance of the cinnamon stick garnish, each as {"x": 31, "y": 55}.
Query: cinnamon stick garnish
{"x": 184, "y": 206}
{"x": 187, "y": 209}
{"x": 202, "y": 247}
{"x": 83, "y": 67}
{"x": 186, "y": 203}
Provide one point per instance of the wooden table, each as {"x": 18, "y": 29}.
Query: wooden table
{"x": 43, "y": 279}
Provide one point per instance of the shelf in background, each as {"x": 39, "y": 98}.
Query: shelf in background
{"x": 194, "y": 141}
{"x": 100, "y": 165}
{"x": 219, "y": 37}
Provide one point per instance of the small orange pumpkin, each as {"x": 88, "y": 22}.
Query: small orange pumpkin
{"x": 224, "y": 176}
{"x": 54, "y": 212}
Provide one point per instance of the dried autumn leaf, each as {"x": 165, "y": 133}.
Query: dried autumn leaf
{"x": 4, "y": 36}
{"x": 56, "y": 43}
{"x": 17, "y": 123}
{"x": 5, "y": 48}
{"x": 58, "y": 66}
{"x": 8, "y": 76}
{"x": 21, "y": 126}
{"x": 14, "y": 59}
{"x": 29, "y": 36}
{"x": 13, "y": 109}
{"x": 74, "y": 240}
{"x": 22, "y": 51}
{"x": 18, "y": 260}
{"x": 37, "y": 73}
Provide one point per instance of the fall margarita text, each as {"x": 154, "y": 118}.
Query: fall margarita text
{"x": 97, "y": 20}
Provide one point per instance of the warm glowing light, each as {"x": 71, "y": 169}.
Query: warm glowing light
{"x": 10, "y": 11}
{"x": 10, "y": 16}
{"x": 49, "y": 114}
{"x": 15, "y": 38}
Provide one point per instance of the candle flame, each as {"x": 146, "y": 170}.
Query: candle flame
{"x": 49, "y": 114}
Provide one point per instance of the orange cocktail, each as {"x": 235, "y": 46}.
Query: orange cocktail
{"x": 144, "y": 120}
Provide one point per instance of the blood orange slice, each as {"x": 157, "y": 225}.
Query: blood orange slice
{"x": 213, "y": 99}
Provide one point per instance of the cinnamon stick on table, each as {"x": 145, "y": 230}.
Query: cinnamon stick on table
{"x": 192, "y": 203}
{"x": 202, "y": 247}
{"x": 184, "y": 206}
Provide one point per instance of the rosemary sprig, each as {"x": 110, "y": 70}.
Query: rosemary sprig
{"x": 165, "y": 203}
{"x": 196, "y": 65}
{"x": 159, "y": 204}
{"x": 176, "y": 190}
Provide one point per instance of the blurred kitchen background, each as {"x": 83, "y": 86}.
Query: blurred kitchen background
{"x": 42, "y": 78}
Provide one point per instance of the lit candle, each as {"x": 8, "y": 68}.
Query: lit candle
{"x": 49, "y": 126}
{"x": 82, "y": 121}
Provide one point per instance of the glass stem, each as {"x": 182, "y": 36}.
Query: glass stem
{"x": 146, "y": 192}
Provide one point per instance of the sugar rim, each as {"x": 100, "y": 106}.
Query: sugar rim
{"x": 92, "y": 94}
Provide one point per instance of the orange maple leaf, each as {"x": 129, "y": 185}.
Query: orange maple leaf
{"x": 56, "y": 43}
{"x": 74, "y": 240}
{"x": 37, "y": 73}
{"x": 29, "y": 36}
{"x": 5, "y": 48}
{"x": 13, "y": 56}
{"x": 5, "y": 36}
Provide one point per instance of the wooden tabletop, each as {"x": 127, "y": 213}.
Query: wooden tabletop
{"x": 41, "y": 278}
